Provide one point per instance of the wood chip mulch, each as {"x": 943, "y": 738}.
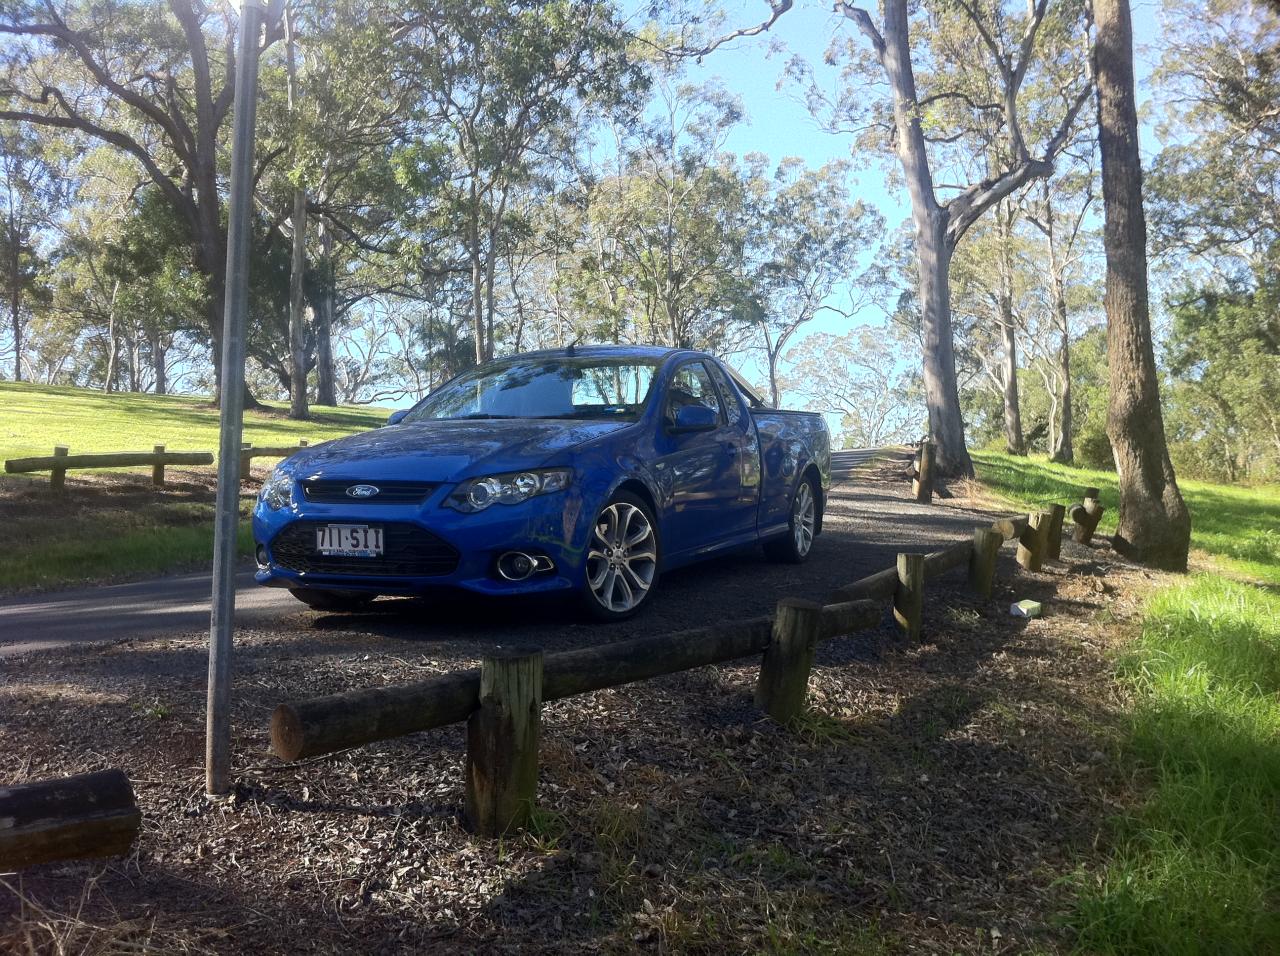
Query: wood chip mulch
{"x": 931, "y": 801}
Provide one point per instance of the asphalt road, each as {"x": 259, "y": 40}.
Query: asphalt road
{"x": 177, "y": 604}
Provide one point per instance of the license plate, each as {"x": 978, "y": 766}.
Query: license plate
{"x": 349, "y": 540}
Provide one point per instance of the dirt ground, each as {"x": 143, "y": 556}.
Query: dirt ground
{"x": 929, "y": 801}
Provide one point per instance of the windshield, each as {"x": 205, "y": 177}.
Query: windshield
{"x": 561, "y": 387}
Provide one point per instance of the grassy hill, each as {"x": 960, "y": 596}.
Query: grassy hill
{"x": 34, "y": 418}
{"x": 1238, "y": 527}
{"x": 114, "y": 525}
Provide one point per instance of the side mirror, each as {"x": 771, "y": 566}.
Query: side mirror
{"x": 396, "y": 417}
{"x": 694, "y": 418}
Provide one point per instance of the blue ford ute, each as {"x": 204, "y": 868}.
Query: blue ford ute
{"x": 585, "y": 471}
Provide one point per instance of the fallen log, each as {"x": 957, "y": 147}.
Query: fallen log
{"x": 75, "y": 818}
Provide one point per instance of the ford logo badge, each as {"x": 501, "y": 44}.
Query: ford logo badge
{"x": 362, "y": 491}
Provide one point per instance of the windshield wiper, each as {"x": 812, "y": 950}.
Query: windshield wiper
{"x": 480, "y": 415}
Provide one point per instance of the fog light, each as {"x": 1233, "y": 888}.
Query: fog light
{"x": 516, "y": 565}
{"x": 261, "y": 555}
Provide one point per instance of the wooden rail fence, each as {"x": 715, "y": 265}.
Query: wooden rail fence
{"x": 502, "y": 699}
{"x": 62, "y": 461}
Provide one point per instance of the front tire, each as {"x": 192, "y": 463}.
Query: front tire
{"x": 622, "y": 559}
{"x": 795, "y": 546}
{"x": 321, "y": 600}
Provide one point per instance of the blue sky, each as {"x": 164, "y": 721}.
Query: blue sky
{"x": 779, "y": 125}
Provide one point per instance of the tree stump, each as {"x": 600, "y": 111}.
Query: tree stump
{"x": 982, "y": 560}
{"x": 908, "y": 598}
{"x": 502, "y": 742}
{"x": 784, "y": 673}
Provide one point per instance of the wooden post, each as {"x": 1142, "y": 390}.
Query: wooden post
{"x": 922, "y": 486}
{"x": 246, "y": 460}
{"x": 88, "y": 815}
{"x": 58, "y": 476}
{"x": 1085, "y": 517}
{"x": 908, "y": 597}
{"x": 982, "y": 561}
{"x": 1053, "y": 549}
{"x": 157, "y": 470}
{"x": 1033, "y": 541}
{"x": 502, "y": 742}
{"x": 784, "y": 673}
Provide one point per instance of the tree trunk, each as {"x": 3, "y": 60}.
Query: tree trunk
{"x": 1015, "y": 444}
{"x": 15, "y": 298}
{"x": 1154, "y": 526}
{"x": 158, "y": 352}
{"x": 933, "y": 252}
{"x": 298, "y": 259}
{"x": 1063, "y": 451}
{"x": 326, "y": 390}
{"x": 297, "y": 319}
{"x": 941, "y": 389}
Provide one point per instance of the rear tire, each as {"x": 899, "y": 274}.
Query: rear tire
{"x": 796, "y": 545}
{"x": 319, "y": 600}
{"x": 623, "y": 554}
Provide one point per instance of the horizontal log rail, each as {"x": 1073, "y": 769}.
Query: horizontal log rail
{"x": 81, "y": 817}
{"x": 249, "y": 451}
{"x": 123, "y": 459}
{"x": 62, "y": 461}
{"x": 323, "y": 725}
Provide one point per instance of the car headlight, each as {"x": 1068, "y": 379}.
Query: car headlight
{"x": 477, "y": 494}
{"x": 277, "y": 490}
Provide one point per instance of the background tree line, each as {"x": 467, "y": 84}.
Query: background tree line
{"x": 441, "y": 182}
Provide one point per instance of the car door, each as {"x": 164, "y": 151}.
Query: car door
{"x": 701, "y": 469}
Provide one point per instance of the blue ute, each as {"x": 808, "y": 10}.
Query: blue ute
{"x": 583, "y": 471}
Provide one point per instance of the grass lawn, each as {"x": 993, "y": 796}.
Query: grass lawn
{"x": 1194, "y": 866}
{"x": 1193, "y": 861}
{"x": 34, "y": 418}
{"x": 114, "y": 525}
{"x": 1238, "y": 527}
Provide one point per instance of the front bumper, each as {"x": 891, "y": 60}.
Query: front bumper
{"x": 428, "y": 546}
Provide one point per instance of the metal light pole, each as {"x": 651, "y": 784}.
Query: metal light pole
{"x": 227, "y": 517}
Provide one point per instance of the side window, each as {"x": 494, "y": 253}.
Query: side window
{"x": 691, "y": 385}
{"x": 732, "y": 402}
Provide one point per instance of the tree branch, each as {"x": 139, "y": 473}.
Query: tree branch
{"x": 777, "y": 8}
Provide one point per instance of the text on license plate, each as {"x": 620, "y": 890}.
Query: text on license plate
{"x": 349, "y": 540}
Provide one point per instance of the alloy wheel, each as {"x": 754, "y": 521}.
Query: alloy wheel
{"x": 622, "y": 558}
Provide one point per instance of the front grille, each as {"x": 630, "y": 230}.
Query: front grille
{"x": 408, "y": 551}
{"x": 332, "y": 491}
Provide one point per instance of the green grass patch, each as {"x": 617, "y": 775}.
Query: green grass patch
{"x": 1238, "y": 526}
{"x": 35, "y": 418}
{"x": 112, "y": 527}
{"x": 1195, "y": 866}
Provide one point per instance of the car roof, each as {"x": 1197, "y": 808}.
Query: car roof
{"x": 600, "y": 351}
